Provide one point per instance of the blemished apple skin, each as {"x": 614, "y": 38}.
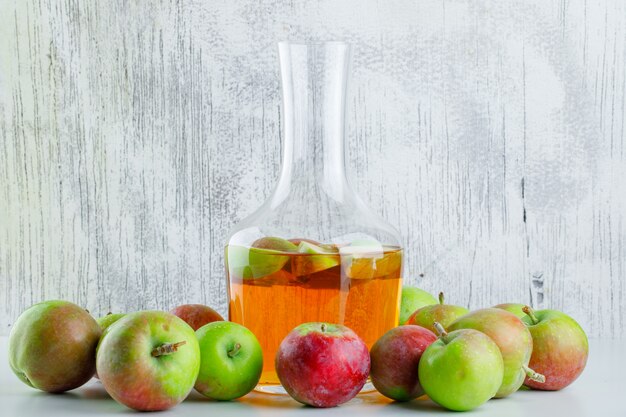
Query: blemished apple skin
{"x": 133, "y": 376}
{"x": 322, "y": 364}
{"x": 395, "y": 359}
{"x": 463, "y": 372}
{"x": 512, "y": 337}
{"x": 52, "y": 346}
{"x": 196, "y": 315}
{"x": 560, "y": 349}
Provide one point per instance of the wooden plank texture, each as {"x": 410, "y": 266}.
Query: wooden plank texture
{"x": 134, "y": 134}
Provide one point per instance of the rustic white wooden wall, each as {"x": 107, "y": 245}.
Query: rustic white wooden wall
{"x": 134, "y": 134}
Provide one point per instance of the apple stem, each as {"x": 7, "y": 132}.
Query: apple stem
{"x": 441, "y": 297}
{"x": 443, "y": 335}
{"x": 167, "y": 348}
{"x": 233, "y": 352}
{"x": 323, "y": 326}
{"x": 530, "y": 313}
{"x": 533, "y": 375}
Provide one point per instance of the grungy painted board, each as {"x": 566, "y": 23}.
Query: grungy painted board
{"x": 133, "y": 135}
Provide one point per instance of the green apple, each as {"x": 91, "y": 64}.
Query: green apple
{"x": 461, "y": 370}
{"x": 106, "y": 321}
{"x": 412, "y": 300}
{"x": 231, "y": 360}
{"x": 514, "y": 308}
{"x": 440, "y": 313}
{"x": 148, "y": 360}
{"x": 109, "y": 319}
{"x": 314, "y": 258}
{"x": 266, "y": 256}
{"x": 513, "y": 339}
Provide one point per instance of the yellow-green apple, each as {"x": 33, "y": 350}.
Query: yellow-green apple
{"x": 395, "y": 359}
{"x": 461, "y": 370}
{"x": 514, "y": 308}
{"x": 265, "y": 256}
{"x": 52, "y": 346}
{"x": 314, "y": 258}
{"x": 106, "y": 321}
{"x": 513, "y": 339}
{"x": 322, "y": 365}
{"x": 441, "y": 313}
{"x": 560, "y": 348}
{"x": 413, "y": 299}
{"x": 148, "y": 360}
{"x": 231, "y": 360}
{"x": 109, "y": 319}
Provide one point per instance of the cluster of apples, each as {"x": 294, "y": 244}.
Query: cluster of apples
{"x": 146, "y": 360}
{"x": 151, "y": 360}
{"x": 461, "y": 359}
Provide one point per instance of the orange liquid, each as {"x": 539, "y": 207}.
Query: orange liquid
{"x": 362, "y": 293}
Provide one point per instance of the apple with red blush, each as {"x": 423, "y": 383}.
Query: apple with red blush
{"x": 52, "y": 346}
{"x": 514, "y": 308}
{"x": 560, "y": 348}
{"x": 411, "y": 300}
{"x": 441, "y": 313}
{"x": 513, "y": 339}
{"x": 148, "y": 360}
{"x": 196, "y": 315}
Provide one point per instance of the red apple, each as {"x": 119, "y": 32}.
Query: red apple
{"x": 395, "y": 360}
{"x": 322, "y": 365}
{"x": 197, "y": 315}
{"x": 560, "y": 348}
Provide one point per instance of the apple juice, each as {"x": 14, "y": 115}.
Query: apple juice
{"x": 272, "y": 291}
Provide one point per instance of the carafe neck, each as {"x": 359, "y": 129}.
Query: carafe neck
{"x": 314, "y": 78}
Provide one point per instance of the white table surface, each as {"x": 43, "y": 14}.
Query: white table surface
{"x": 599, "y": 391}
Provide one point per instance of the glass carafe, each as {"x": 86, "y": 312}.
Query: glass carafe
{"x": 313, "y": 251}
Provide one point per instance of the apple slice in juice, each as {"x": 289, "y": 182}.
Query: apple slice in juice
{"x": 367, "y": 260}
{"x": 266, "y": 256}
{"x": 314, "y": 258}
{"x": 298, "y": 240}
